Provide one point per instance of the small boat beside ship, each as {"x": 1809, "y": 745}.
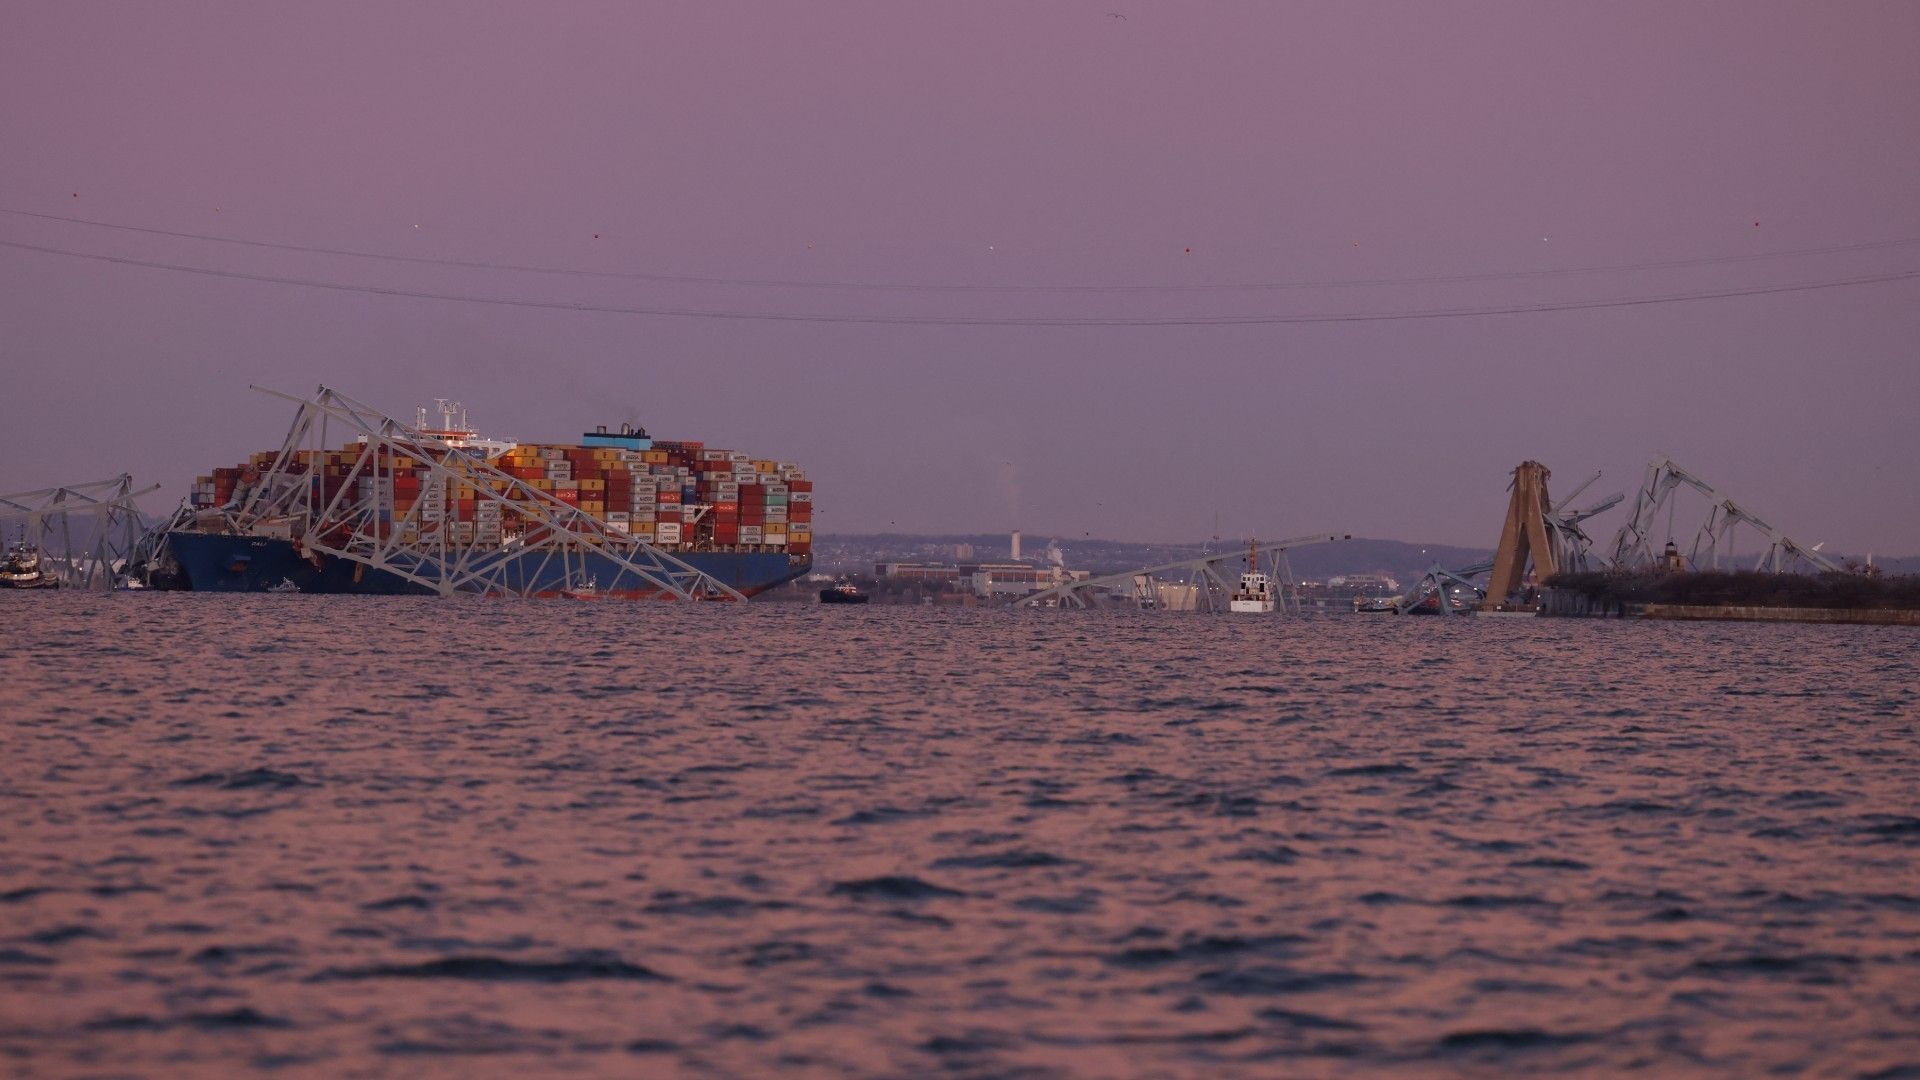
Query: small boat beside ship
{"x": 842, "y": 593}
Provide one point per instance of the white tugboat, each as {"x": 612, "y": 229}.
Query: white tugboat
{"x": 1255, "y": 594}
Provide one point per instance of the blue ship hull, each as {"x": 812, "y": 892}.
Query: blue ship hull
{"x": 212, "y": 562}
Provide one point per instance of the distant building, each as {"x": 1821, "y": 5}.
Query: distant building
{"x": 903, "y": 571}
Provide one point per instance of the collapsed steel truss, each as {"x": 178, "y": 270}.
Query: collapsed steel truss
{"x": 542, "y": 539}
{"x": 1633, "y": 545}
{"x": 86, "y": 533}
{"x": 1436, "y": 585}
{"x": 1205, "y": 580}
{"x": 1571, "y": 544}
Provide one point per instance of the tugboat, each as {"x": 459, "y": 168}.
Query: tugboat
{"x": 582, "y": 590}
{"x": 1255, "y": 594}
{"x": 842, "y": 593}
{"x": 22, "y": 570}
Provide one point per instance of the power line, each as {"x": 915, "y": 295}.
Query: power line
{"x": 689, "y": 279}
{"x": 922, "y": 320}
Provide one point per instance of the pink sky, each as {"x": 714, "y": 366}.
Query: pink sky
{"x": 1001, "y": 144}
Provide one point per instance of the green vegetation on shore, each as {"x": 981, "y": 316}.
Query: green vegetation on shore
{"x": 1746, "y": 588}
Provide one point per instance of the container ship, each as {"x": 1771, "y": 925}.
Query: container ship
{"x": 446, "y": 510}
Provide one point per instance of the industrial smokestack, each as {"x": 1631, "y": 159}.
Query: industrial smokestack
{"x": 1016, "y": 545}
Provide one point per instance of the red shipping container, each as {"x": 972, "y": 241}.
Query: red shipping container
{"x": 799, "y": 485}
{"x": 726, "y": 508}
{"x": 568, "y": 496}
{"x": 731, "y": 513}
{"x": 463, "y": 509}
{"x": 726, "y": 533}
{"x": 800, "y": 512}
{"x": 753, "y": 515}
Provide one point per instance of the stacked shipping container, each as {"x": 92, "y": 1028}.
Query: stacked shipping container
{"x": 676, "y": 495}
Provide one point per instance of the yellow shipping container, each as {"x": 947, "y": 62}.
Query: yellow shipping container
{"x": 595, "y": 507}
{"x": 592, "y": 484}
{"x": 655, "y": 457}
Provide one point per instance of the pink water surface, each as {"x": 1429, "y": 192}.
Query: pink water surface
{"x": 336, "y": 836}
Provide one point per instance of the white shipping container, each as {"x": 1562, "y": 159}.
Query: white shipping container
{"x": 798, "y": 529}
{"x": 800, "y": 497}
{"x": 776, "y": 488}
{"x": 667, "y": 532}
{"x": 750, "y": 534}
{"x": 739, "y": 455}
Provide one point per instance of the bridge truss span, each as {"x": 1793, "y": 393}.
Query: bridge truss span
{"x": 1202, "y": 584}
{"x": 86, "y": 533}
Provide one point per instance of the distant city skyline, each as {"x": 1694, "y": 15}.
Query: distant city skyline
{"x": 996, "y": 162}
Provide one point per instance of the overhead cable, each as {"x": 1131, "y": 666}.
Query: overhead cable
{"x": 1254, "y": 319}
{"x": 899, "y": 286}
